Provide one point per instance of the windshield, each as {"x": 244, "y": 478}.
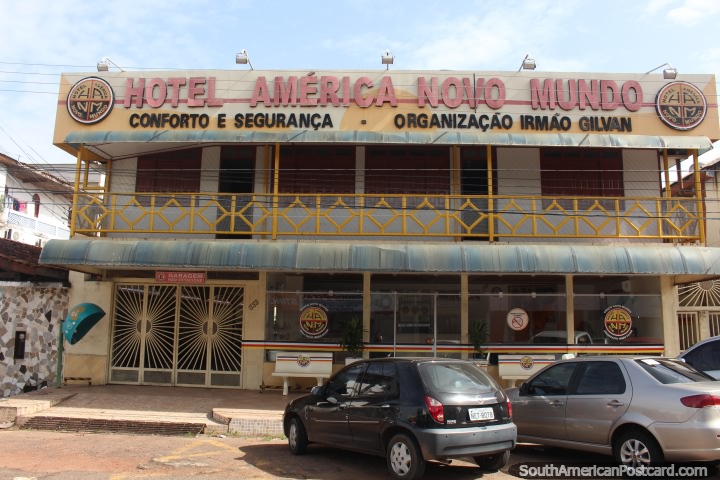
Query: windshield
{"x": 669, "y": 371}
{"x": 455, "y": 378}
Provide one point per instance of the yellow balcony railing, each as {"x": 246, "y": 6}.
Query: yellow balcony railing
{"x": 495, "y": 217}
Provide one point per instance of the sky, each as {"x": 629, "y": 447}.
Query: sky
{"x": 40, "y": 40}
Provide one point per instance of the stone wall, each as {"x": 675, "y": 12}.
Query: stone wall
{"x": 37, "y": 310}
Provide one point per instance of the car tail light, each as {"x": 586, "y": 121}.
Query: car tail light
{"x": 436, "y": 409}
{"x": 700, "y": 401}
{"x": 509, "y": 409}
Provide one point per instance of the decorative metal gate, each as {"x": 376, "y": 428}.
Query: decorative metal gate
{"x": 698, "y": 312}
{"x": 689, "y": 329}
{"x": 177, "y": 335}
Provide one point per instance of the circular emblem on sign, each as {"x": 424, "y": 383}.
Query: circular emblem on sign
{"x": 303, "y": 360}
{"x": 618, "y": 322}
{"x": 90, "y": 100}
{"x": 526, "y": 362}
{"x": 681, "y": 105}
{"x": 517, "y": 319}
{"x": 314, "y": 320}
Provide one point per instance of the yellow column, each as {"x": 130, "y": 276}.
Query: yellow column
{"x": 464, "y": 310}
{"x": 699, "y": 197}
{"x": 276, "y": 189}
{"x": 491, "y": 203}
{"x": 367, "y": 306}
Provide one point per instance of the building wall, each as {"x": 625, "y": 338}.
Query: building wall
{"x": 38, "y": 311}
{"x": 642, "y": 173}
{"x": 254, "y": 327}
{"x": 88, "y": 358}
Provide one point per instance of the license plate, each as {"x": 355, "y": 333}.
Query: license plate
{"x": 477, "y": 414}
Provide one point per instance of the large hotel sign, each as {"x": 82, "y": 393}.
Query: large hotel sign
{"x": 390, "y": 103}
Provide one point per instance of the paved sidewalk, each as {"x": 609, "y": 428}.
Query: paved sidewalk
{"x": 243, "y": 412}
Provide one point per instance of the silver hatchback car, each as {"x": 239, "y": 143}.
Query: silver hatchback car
{"x": 641, "y": 410}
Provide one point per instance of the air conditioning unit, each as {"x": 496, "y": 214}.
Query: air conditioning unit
{"x": 17, "y": 237}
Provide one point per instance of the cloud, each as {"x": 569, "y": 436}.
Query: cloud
{"x": 694, "y": 11}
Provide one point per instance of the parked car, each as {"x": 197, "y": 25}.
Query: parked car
{"x": 641, "y": 410}
{"x": 705, "y": 356}
{"x": 409, "y": 410}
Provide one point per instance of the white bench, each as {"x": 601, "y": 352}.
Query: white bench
{"x": 300, "y": 364}
{"x": 521, "y": 367}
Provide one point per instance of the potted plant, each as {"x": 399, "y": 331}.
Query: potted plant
{"x": 477, "y": 336}
{"x": 352, "y": 339}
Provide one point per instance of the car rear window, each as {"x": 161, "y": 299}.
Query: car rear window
{"x": 672, "y": 371}
{"x": 455, "y": 377}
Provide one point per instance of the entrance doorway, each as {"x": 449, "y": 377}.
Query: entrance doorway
{"x": 403, "y": 319}
{"x": 177, "y": 335}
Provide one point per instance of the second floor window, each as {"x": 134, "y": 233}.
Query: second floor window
{"x": 582, "y": 172}
{"x": 167, "y": 172}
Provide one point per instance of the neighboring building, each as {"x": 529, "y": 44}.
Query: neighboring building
{"x": 33, "y": 304}
{"x": 699, "y": 303}
{"x": 33, "y": 298}
{"x": 251, "y": 212}
{"x": 35, "y": 204}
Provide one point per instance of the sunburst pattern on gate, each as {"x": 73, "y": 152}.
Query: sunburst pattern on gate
{"x": 177, "y": 328}
{"x": 700, "y": 294}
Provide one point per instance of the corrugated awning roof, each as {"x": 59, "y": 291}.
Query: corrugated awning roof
{"x": 119, "y": 144}
{"x": 685, "y": 263}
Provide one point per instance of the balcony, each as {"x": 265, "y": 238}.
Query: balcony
{"x": 418, "y": 217}
{"x": 29, "y": 227}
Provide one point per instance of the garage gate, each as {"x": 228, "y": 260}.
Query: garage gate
{"x": 177, "y": 335}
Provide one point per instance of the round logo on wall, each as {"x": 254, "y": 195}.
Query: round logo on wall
{"x": 681, "y": 105}
{"x": 90, "y": 100}
{"x": 314, "y": 320}
{"x": 618, "y": 322}
{"x": 526, "y": 362}
{"x": 303, "y": 360}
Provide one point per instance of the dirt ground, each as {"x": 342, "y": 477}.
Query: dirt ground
{"x": 38, "y": 454}
{"x": 45, "y": 455}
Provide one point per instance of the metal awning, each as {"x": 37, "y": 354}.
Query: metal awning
{"x": 684, "y": 263}
{"x": 121, "y": 144}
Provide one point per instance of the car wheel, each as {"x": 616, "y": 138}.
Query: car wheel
{"x": 637, "y": 448}
{"x": 297, "y": 437}
{"x": 495, "y": 461}
{"x": 404, "y": 458}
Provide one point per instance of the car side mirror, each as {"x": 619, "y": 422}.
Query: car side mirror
{"x": 524, "y": 389}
